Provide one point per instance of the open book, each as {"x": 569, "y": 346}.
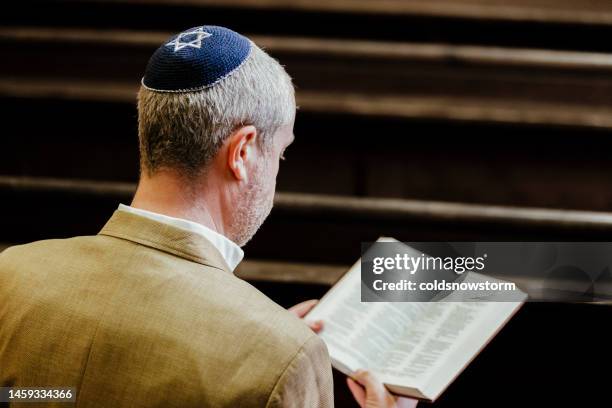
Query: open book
{"x": 415, "y": 348}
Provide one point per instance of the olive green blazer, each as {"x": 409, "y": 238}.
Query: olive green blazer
{"x": 145, "y": 314}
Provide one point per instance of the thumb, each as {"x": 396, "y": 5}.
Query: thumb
{"x": 357, "y": 391}
{"x": 376, "y": 395}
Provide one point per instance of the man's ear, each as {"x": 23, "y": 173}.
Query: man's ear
{"x": 242, "y": 151}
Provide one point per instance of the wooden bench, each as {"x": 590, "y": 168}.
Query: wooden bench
{"x": 322, "y": 228}
{"x": 356, "y": 77}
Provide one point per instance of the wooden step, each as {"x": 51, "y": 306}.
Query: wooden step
{"x": 559, "y": 11}
{"x": 361, "y": 78}
{"x": 302, "y": 227}
{"x": 546, "y": 24}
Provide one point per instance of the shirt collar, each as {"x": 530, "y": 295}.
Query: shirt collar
{"x": 232, "y": 253}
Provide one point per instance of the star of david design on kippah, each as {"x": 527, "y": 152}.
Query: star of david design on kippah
{"x": 179, "y": 44}
{"x": 195, "y": 59}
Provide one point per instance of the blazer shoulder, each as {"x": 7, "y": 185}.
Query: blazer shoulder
{"x": 49, "y": 244}
{"x": 41, "y": 251}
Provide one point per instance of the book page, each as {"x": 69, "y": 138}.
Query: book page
{"x": 358, "y": 334}
{"x": 421, "y": 346}
{"x": 488, "y": 320}
{"x": 424, "y": 345}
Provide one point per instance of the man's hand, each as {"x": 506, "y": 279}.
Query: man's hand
{"x": 371, "y": 393}
{"x": 302, "y": 309}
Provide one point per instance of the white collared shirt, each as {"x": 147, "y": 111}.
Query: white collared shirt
{"x": 232, "y": 253}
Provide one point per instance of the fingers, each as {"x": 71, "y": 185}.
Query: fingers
{"x": 357, "y": 391}
{"x": 369, "y": 392}
{"x": 316, "y": 326}
{"x": 301, "y": 309}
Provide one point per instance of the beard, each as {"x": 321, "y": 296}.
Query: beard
{"x": 251, "y": 209}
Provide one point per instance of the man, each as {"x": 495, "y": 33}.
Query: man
{"x": 148, "y": 312}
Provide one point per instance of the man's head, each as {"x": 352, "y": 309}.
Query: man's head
{"x": 217, "y": 112}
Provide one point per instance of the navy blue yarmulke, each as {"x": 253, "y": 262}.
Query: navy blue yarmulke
{"x": 196, "y": 59}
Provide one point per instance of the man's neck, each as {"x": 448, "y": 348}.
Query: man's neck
{"x": 165, "y": 193}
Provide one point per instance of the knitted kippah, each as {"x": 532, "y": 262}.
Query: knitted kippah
{"x": 196, "y": 59}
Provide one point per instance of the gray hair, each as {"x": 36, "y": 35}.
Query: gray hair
{"x": 185, "y": 130}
